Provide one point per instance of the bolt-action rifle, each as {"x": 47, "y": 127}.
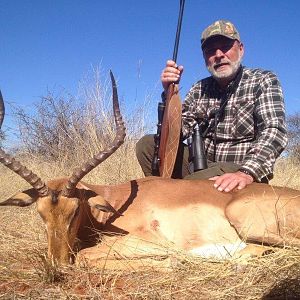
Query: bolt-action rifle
{"x": 169, "y": 121}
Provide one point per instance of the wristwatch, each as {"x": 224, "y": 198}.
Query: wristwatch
{"x": 245, "y": 171}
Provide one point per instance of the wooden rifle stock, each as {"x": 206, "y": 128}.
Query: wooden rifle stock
{"x": 170, "y": 132}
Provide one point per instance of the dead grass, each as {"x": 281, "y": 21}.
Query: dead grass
{"x": 26, "y": 273}
{"x": 287, "y": 173}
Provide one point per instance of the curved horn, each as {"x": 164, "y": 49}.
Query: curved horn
{"x": 17, "y": 167}
{"x": 79, "y": 173}
{"x": 2, "y": 110}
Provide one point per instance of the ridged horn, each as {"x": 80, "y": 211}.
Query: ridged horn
{"x": 11, "y": 163}
{"x": 88, "y": 166}
{"x": 2, "y": 110}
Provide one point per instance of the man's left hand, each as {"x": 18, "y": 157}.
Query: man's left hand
{"x": 229, "y": 181}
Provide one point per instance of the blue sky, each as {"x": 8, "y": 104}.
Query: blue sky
{"x": 50, "y": 44}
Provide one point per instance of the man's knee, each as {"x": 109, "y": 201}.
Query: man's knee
{"x": 214, "y": 169}
{"x": 145, "y": 146}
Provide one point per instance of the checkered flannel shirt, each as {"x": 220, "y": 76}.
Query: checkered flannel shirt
{"x": 252, "y": 131}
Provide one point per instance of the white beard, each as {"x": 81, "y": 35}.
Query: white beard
{"x": 227, "y": 74}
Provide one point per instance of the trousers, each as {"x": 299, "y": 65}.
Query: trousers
{"x": 145, "y": 153}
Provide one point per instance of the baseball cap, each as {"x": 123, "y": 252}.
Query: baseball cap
{"x": 220, "y": 27}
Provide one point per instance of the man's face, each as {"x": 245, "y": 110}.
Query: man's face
{"x": 223, "y": 57}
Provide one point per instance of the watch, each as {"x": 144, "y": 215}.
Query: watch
{"x": 247, "y": 172}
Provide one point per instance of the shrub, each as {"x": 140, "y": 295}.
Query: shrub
{"x": 293, "y": 122}
{"x": 67, "y": 129}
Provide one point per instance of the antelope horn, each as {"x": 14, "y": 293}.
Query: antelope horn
{"x": 2, "y": 110}
{"x": 79, "y": 173}
{"x": 17, "y": 167}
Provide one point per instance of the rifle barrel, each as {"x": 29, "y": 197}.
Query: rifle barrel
{"x": 175, "y": 52}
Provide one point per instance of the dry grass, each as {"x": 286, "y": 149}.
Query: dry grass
{"x": 26, "y": 273}
{"x": 287, "y": 173}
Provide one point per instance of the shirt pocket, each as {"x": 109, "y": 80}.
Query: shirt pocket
{"x": 243, "y": 119}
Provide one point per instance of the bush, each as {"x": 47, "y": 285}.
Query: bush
{"x": 293, "y": 122}
{"x": 68, "y": 130}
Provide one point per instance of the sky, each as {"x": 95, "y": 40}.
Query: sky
{"x": 49, "y": 44}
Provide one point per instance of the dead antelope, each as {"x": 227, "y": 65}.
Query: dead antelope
{"x": 189, "y": 215}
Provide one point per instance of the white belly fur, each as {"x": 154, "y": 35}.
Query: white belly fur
{"x": 201, "y": 230}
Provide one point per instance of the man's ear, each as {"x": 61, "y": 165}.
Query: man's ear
{"x": 242, "y": 50}
{"x": 24, "y": 198}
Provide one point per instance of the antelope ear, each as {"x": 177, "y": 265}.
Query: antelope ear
{"x": 81, "y": 185}
{"x": 24, "y": 198}
{"x": 101, "y": 204}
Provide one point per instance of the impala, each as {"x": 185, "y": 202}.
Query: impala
{"x": 190, "y": 215}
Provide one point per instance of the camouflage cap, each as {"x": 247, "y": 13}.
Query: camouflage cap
{"x": 220, "y": 27}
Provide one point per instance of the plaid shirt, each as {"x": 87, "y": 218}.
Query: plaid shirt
{"x": 252, "y": 130}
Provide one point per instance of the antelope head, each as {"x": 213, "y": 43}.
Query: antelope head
{"x": 60, "y": 203}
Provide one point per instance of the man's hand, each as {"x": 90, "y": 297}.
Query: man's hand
{"x": 229, "y": 181}
{"x": 170, "y": 74}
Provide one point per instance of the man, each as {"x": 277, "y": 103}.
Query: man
{"x": 244, "y": 111}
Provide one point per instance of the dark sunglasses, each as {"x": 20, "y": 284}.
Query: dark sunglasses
{"x": 210, "y": 50}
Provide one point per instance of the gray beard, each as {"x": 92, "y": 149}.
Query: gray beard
{"x": 229, "y": 74}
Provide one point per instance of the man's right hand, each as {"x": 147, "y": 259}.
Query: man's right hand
{"x": 170, "y": 74}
